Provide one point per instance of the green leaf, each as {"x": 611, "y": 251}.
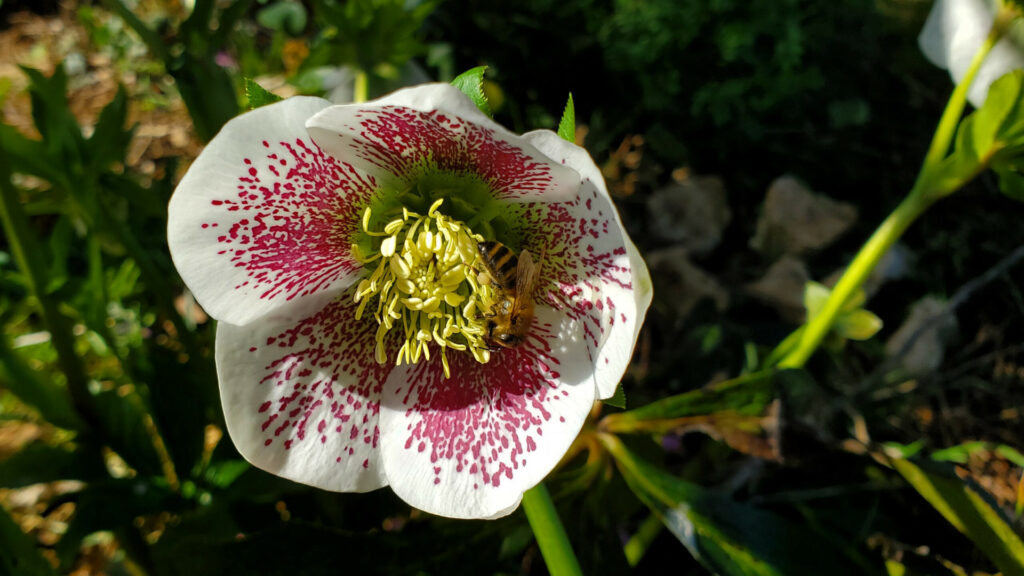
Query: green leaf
{"x": 968, "y": 512}
{"x": 224, "y": 474}
{"x": 740, "y": 412}
{"x": 20, "y": 556}
{"x": 858, "y": 325}
{"x": 815, "y": 296}
{"x": 208, "y": 92}
{"x": 959, "y": 453}
{"x": 992, "y": 136}
{"x": 729, "y": 537}
{"x": 471, "y": 83}
{"x": 1011, "y": 454}
{"x": 39, "y": 462}
{"x": 109, "y": 141}
{"x": 852, "y": 322}
{"x": 749, "y": 394}
{"x": 53, "y": 118}
{"x": 618, "y": 399}
{"x": 28, "y": 156}
{"x": 1003, "y": 111}
{"x": 257, "y": 95}
{"x": 567, "y": 125}
{"x": 1011, "y": 177}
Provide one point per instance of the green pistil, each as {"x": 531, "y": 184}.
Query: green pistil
{"x": 425, "y": 284}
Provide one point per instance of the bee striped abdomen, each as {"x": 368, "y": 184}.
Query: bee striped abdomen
{"x": 500, "y": 262}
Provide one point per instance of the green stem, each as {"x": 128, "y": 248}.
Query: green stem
{"x": 360, "y": 88}
{"x": 957, "y": 101}
{"x": 865, "y": 261}
{"x": 549, "y": 532}
{"x": 641, "y": 541}
{"x": 920, "y": 198}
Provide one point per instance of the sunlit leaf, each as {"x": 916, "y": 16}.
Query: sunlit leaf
{"x": 858, "y": 325}
{"x": 567, "y": 125}
{"x": 257, "y": 95}
{"x": 471, "y": 84}
{"x": 729, "y": 537}
{"x": 968, "y": 512}
{"x": 749, "y": 394}
{"x": 852, "y": 322}
{"x": 1001, "y": 118}
{"x": 959, "y": 453}
{"x": 992, "y": 136}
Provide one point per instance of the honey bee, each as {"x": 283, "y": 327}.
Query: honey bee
{"x": 514, "y": 278}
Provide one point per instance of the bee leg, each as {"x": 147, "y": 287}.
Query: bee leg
{"x": 484, "y": 278}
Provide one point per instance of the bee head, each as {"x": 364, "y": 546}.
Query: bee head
{"x": 508, "y": 340}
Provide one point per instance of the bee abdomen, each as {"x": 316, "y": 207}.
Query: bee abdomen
{"x": 501, "y": 263}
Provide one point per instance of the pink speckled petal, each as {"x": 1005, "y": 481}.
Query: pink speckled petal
{"x": 301, "y": 399}
{"x": 261, "y": 220}
{"x": 436, "y": 124}
{"x": 470, "y": 445}
{"x": 593, "y": 272}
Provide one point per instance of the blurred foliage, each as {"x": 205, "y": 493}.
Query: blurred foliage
{"x": 110, "y": 424}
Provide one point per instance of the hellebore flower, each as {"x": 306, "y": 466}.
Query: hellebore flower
{"x": 338, "y": 248}
{"x": 952, "y": 34}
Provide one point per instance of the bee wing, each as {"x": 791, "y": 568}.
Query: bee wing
{"x": 526, "y": 276}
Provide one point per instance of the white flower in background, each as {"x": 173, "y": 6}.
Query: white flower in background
{"x": 952, "y": 34}
{"x": 338, "y": 248}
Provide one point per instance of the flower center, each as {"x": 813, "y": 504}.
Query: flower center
{"x": 424, "y": 285}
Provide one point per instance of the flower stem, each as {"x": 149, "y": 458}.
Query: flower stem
{"x": 958, "y": 100}
{"x": 641, "y": 541}
{"x": 921, "y": 196}
{"x": 360, "y": 86}
{"x": 549, "y": 532}
{"x": 865, "y": 261}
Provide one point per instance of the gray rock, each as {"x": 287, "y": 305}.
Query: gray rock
{"x": 797, "y": 221}
{"x": 782, "y": 287}
{"x": 691, "y": 214}
{"x": 919, "y": 345}
{"x": 686, "y": 283}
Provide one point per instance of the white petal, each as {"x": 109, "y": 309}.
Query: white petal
{"x": 301, "y": 399}
{"x": 470, "y": 445}
{"x": 954, "y": 31}
{"x": 437, "y": 125}
{"x": 597, "y": 272}
{"x": 261, "y": 219}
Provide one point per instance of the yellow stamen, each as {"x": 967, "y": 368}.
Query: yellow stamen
{"x": 425, "y": 278}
